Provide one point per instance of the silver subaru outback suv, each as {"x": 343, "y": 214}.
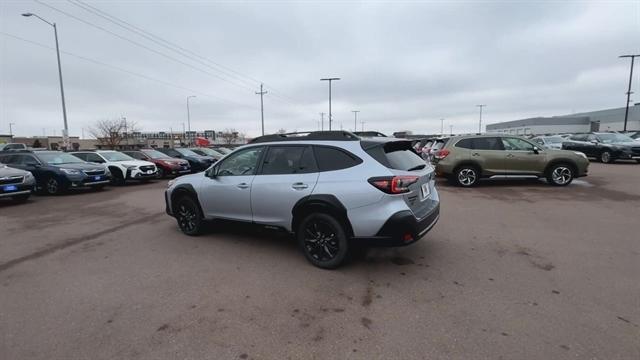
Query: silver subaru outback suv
{"x": 332, "y": 189}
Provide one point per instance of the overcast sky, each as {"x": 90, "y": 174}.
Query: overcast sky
{"x": 404, "y": 65}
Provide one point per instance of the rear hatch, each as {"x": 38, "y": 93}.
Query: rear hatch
{"x": 409, "y": 171}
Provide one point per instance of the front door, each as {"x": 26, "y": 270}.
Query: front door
{"x": 520, "y": 157}
{"x": 226, "y": 192}
{"x": 288, "y": 174}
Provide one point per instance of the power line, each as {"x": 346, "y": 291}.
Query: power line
{"x": 180, "y": 50}
{"x": 113, "y": 67}
{"x": 141, "y": 45}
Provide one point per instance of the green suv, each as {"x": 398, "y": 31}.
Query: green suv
{"x": 467, "y": 159}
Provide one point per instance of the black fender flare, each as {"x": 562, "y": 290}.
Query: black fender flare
{"x": 325, "y": 203}
{"x": 182, "y": 190}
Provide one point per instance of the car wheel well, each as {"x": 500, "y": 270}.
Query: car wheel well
{"x": 302, "y": 211}
{"x": 468, "y": 163}
{"x": 569, "y": 163}
{"x": 182, "y": 192}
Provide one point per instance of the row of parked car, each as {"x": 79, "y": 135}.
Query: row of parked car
{"x": 54, "y": 172}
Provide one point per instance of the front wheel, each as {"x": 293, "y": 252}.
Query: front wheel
{"x": 560, "y": 175}
{"x": 466, "y": 176}
{"x": 188, "y": 215}
{"x": 605, "y": 157}
{"x": 160, "y": 174}
{"x": 323, "y": 240}
{"x": 53, "y": 186}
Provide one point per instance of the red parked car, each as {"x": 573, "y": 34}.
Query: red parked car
{"x": 167, "y": 166}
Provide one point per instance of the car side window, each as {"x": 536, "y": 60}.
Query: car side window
{"x": 591, "y": 137}
{"x": 330, "y": 159}
{"x": 95, "y": 158}
{"x": 487, "y": 143}
{"x": 241, "y": 163}
{"x": 539, "y": 141}
{"x": 579, "y": 137}
{"x": 26, "y": 160}
{"x": 465, "y": 144}
{"x": 80, "y": 156}
{"x": 516, "y": 144}
{"x": 137, "y": 155}
{"x": 289, "y": 160}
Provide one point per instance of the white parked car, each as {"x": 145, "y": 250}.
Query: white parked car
{"x": 550, "y": 142}
{"x": 122, "y": 166}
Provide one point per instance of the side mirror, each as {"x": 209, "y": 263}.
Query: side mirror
{"x": 594, "y": 141}
{"x": 536, "y": 150}
{"x": 212, "y": 172}
{"x": 33, "y": 163}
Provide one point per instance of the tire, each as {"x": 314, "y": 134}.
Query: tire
{"x": 466, "y": 176}
{"x": 161, "y": 173}
{"x": 638, "y": 161}
{"x": 20, "y": 198}
{"x": 323, "y": 240}
{"x": 52, "y": 186}
{"x": 560, "y": 174}
{"x": 188, "y": 216}
{"x": 605, "y": 157}
{"x": 117, "y": 177}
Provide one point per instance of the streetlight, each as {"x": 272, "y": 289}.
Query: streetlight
{"x": 11, "y": 129}
{"x": 189, "y": 117}
{"x": 355, "y": 119}
{"x": 480, "y": 123}
{"x": 330, "y": 80}
{"x": 65, "y": 134}
{"x": 442, "y": 127}
{"x": 626, "y": 112}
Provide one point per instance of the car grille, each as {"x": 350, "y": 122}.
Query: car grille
{"x": 147, "y": 167}
{"x": 11, "y": 180}
{"x": 94, "y": 172}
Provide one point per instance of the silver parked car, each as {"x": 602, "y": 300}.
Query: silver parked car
{"x": 331, "y": 189}
{"x": 15, "y": 183}
{"x": 550, "y": 142}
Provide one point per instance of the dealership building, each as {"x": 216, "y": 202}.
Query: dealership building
{"x": 602, "y": 120}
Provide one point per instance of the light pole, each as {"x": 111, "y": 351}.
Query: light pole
{"x": 451, "y": 129}
{"x": 355, "y": 119}
{"x": 65, "y": 134}
{"x": 626, "y": 112}
{"x": 189, "y": 117}
{"x": 442, "y": 127}
{"x": 11, "y": 129}
{"x": 480, "y": 123}
{"x": 362, "y": 122}
{"x": 330, "y": 80}
{"x": 321, "y": 121}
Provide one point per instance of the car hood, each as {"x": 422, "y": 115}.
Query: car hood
{"x": 7, "y": 171}
{"x": 135, "y": 163}
{"x": 79, "y": 166}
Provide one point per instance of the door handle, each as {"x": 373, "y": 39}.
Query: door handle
{"x": 299, "y": 186}
{"x": 510, "y": 155}
{"x": 475, "y": 154}
{"x": 243, "y": 185}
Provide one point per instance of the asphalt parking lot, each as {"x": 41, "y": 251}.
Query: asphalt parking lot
{"x": 517, "y": 270}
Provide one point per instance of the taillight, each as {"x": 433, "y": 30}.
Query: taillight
{"x": 442, "y": 154}
{"x": 393, "y": 184}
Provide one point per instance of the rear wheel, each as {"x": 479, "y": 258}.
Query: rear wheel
{"x": 605, "y": 157}
{"x": 323, "y": 240}
{"x": 466, "y": 176}
{"x": 560, "y": 175}
{"x": 188, "y": 215}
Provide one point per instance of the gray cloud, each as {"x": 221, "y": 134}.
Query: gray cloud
{"x": 404, "y": 65}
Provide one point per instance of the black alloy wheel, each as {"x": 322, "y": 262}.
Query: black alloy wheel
{"x": 188, "y": 215}
{"x": 323, "y": 240}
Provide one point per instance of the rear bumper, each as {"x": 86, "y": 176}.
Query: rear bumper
{"x": 402, "y": 229}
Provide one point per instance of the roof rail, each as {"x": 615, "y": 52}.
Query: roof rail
{"x": 334, "y": 135}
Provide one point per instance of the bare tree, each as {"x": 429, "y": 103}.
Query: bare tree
{"x": 229, "y": 136}
{"x": 111, "y": 132}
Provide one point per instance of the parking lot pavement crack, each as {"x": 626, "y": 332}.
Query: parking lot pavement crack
{"x": 75, "y": 241}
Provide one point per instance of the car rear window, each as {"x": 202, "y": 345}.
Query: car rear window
{"x": 398, "y": 155}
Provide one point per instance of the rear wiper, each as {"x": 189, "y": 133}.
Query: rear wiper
{"x": 418, "y": 167}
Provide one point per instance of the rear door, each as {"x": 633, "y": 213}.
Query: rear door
{"x": 287, "y": 174}
{"x": 520, "y": 159}
{"x": 489, "y": 154}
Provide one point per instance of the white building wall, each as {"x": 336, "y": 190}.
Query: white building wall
{"x": 543, "y": 129}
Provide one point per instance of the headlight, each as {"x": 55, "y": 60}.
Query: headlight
{"x": 29, "y": 176}
{"x": 171, "y": 182}
{"x": 581, "y": 154}
{"x": 70, "y": 171}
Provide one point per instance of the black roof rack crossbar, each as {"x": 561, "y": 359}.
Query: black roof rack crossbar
{"x": 335, "y": 135}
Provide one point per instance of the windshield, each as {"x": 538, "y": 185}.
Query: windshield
{"x": 186, "y": 152}
{"x": 57, "y": 158}
{"x": 116, "y": 156}
{"x": 208, "y": 151}
{"x": 614, "y": 138}
{"x": 155, "y": 154}
{"x": 553, "y": 139}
